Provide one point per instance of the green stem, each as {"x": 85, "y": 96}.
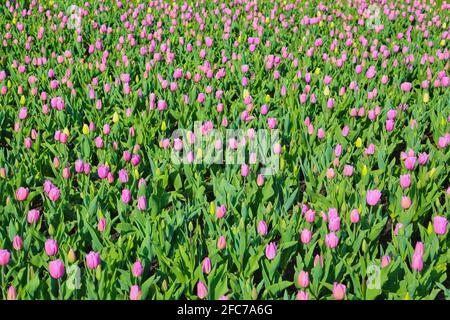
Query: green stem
{"x": 59, "y": 290}
{"x": 94, "y": 282}
{"x": 3, "y": 282}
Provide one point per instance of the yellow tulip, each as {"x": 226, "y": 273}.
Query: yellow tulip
{"x": 430, "y": 228}
{"x": 66, "y": 131}
{"x": 246, "y": 93}
{"x": 432, "y": 172}
{"x": 426, "y": 97}
{"x": 326, "y": 91}
{"x": 22, "y": 100}
{"x": 442, "y": 43}
{"x": 85, "y": 129}
{"x": 364, "y": 171}
{"x": 212, "y": 207}
{"x": 267, "y": 98}
{"x": 358, "y": 143}
{"x": 115, "y": 118}
{"x": 136, "y": 173}
{"x": 163, "y": 126}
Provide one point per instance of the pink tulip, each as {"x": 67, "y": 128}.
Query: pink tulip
{"x": 17, "y": 243}
{"x": 93, "y": 260}
{"x": 221, "y": 243}
{"x": 260, "y": 180}
{"x": 310, "y": 216}
{"x": 202, "y": 290}
{"x": 417, "y": 262}
{"x": 51, "y": 247}
{"x": 423, "y": 158}
{"x": 318, "y": 259}
{"x": 102, "y": 171}
{"x": 33, "y": 216}
{"x": 372, "y": 197}
{"x": 56, "y": 269}
{"x": 321, "y": 133}
{"x": 334, "y": 224}
{"x": 419, "y": 248}
{"x": 303, "y": 279}
{"x": 101, "y": 225}
{"x": 354, "y": 216}
{"x": 4, "y": 257}
{"x": 440, "y": 225}
{"x": 410, "y": 163}
{"x": 12, "y": 293}
{"x": 221, "y": 211}
{"x": 135, "y": 293}
{"x": 137, "y": 269}
{"x": 331, "y": 240}
{"x": 406, "y": 202}
{"x": 22, "y": 194}
{"x": 339, "y": 291}
{"x": 305, "y": 236}
{"x": 126, "y": 196}
{"x": 262, "y": 228}
{"x": 54, "y": 194}
{"x": 385, "y": 261}
{"x": 302, "y": 295}
{"x": 348, "y": 170}
{"x": 405, "y": 181}
{"x": 271, "y": 250}
{"x": 406, "y": 86}
{"x": 206, "y": 265}
{"x": 245, "y": 170}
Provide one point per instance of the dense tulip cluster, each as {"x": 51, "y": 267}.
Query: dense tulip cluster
{"x": 95, "y": 205}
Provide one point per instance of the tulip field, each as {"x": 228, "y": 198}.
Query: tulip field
{"x": 239, "y": 149}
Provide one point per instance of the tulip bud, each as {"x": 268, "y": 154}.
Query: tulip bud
{"x": 12, "y": 293}
{"x": 135, "y": 293}
{"x": 17, "y": 243}
{"x": 221, "y": 243}
{"x": 71, "y": 256}
{"x": 339, "y": 291}
{"x": 262, "y": 228}
{"x": 164, "y": 286}
{"x": 51, "y": 230}
{"x": 206, "y": 265}
{"x": 303, "y": 279}
{"x": 137, "y": 269}
{"x": 202, "y": 290}
{"x": 254, "y": 294}
{"x": 271, "y": 251}
{"x": 385, "y": 260}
